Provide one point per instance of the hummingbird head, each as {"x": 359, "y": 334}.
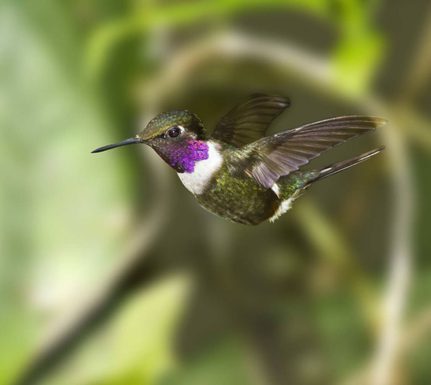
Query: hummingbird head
{"x": 178, "y": 137}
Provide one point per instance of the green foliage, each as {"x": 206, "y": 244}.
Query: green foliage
{"x": 138, "y": 349}
{"x": 356, "y": 53}
{"x": 48, "y": 124}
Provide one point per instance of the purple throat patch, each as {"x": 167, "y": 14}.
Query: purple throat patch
{"x": 185, "y": 157}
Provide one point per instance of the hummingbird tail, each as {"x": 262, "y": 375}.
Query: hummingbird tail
{"x": 345, "y": 164}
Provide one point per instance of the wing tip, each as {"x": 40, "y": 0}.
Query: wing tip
{"x": 375, "y": 121}
{"x": 378, "y": 121}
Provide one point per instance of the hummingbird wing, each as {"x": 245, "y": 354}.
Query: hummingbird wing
{"x": 248, "y": 121}
{"x": 269, "y": 158}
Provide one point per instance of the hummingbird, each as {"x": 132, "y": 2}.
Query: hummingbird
{"x": 237, "y": 172}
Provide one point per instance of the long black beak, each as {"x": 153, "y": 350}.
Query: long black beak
{"x": 123, "y": 143}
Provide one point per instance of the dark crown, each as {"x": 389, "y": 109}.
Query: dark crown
{"x": 158, "y": 125}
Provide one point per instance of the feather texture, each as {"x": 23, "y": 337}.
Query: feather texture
{"x": 274, "y": 156}
{"x": 249, "y": 121}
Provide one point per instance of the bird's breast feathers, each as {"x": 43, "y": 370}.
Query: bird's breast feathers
{"x": 197, "y": 181}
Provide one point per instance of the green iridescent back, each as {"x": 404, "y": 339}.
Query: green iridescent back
{"x": 238, "y": 198}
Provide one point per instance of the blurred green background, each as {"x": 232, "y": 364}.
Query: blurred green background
{"x": 338, "y": 291}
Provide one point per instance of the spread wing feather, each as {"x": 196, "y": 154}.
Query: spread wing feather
{"x": 249, "y": 121}
{"x": 272, "y": 157}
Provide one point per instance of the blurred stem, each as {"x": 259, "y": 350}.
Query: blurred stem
{"x": 97, "y": 311}
{"x": 415, "y": 333}
{"x": 395, "y": 296}
{"x": 414, "y": 126}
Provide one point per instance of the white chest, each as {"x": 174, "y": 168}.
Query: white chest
{"x": 197, "y": 181}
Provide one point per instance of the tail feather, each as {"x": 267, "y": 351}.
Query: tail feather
{"x": 345, "y": 164}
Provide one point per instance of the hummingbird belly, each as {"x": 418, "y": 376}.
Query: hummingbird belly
{"x": 239, "y": 198}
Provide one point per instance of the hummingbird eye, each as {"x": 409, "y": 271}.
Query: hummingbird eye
{"x": 174, "y": 132}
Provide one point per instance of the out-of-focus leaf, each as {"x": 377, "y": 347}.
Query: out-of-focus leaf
{"x": 359, "y": 48}
{"x": 355, "y": 61}
{"x": 137, "y": 346}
